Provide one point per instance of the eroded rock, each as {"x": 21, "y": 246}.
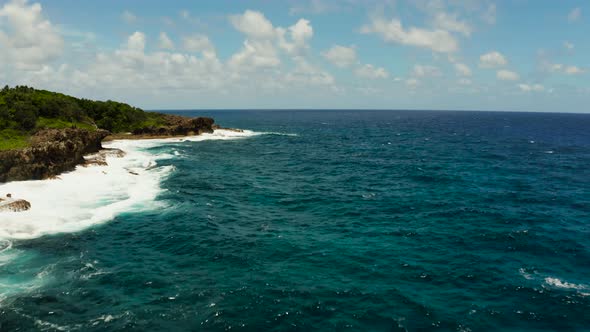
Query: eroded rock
{"x": 51, "y": 153}
{"x": 14, "y": 205}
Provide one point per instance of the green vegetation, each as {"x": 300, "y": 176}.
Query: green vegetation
{"x": 12, "y": 139}
{"x": 56, "y": 123}
{"x": 25, "y": 110}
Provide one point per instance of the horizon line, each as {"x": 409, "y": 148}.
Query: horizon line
{"x": 354, "y": 109}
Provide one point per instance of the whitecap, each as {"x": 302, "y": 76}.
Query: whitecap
{"x": 93, "y": 195}
{"x": 85, "y": 197}
{"x": 555, "y": 282}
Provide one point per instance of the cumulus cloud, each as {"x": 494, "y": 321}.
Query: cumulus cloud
{"x": 255, "y": 54}
{"x": 300, "y": 33}
{"x": 197, "y": 43}
{"x": 371, "y": 72}
{"x": 341, "y": 56}
{"x": 565, "y": 69}
{"x": 492, "y": 59}
{"x": 263, "y": 40}
{"x": 27, "y": 39}
{"x": 507, "y": 75}
{"x": 426, "y": 71}
{"x": 531, "y": 87}
{"x": 393, "y": 31}
{"x": 254, "y": 25}
{"x": 164, "y": 42}
{"x": 136, "y": 42}
{"x": 306, "y": 74}
{"x": 449, "y": 22}
{"x": 574, "y": 15}
{"x": 462, "y": 69}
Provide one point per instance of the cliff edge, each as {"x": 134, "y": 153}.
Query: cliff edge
{"x": 52, "y": 151}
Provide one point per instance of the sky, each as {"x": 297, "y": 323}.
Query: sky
{"x": 505, "y": 55}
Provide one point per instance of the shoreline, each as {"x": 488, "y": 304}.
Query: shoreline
{"x": 124, "y": 177}
{"x": 131, "y": 136}
{"x": 55, "y": 151}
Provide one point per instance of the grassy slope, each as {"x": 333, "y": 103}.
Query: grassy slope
{"x": 41, "y": 109}
{"x": 13, "y": 139}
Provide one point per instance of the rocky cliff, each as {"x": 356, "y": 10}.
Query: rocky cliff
{"x": 179, "y": 126}
{"x": 52, "y": 152}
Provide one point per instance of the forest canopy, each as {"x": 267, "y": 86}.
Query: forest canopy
{"x": 23, "y": 110}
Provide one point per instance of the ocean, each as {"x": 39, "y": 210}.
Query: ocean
{"x": 313, "y": 220}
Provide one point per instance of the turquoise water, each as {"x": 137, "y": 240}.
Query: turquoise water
{"x": 334, "y": 220}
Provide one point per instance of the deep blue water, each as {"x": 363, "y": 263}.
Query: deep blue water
{"x": 361, "y": 221}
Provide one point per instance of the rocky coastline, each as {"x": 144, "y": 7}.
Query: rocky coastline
{"x": 55, "y": 151}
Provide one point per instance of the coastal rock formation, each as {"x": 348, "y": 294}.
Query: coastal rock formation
{"x": 100, "y": 158}
{"x": 52, "y": 152}
{"x": 179, "y": 126}
{"x": 15, "y": 205}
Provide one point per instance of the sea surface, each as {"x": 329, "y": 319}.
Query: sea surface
{"x": 313, "y": 220}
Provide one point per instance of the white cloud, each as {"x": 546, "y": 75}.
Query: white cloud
{"x": 306, "y": 74}
{"x": 507, "y": 75}
{"x": 426, "y": 71}
{"x": 130, "y": 68}
{"x": 254, "y": 25}
{"x": 136, "y": 42}
{"x": 300, "y": 33}
{"x": 254, "y": 55}
{"x": 492, "y": 60}
{"x": 197, "y": 43}
{"x": 462, "y": 69}
{"x": 451, "y": 23}
{"x": 575, "y": 14}
{"x": 129, "y": 17}
{"x": 27, "y": 39}
{"x": 531, "y": 87}
{"x": 164, "y": 42}
{"x": 372, "y": 72}
{"x": 568, "y": 45}
{"x": 565, "y": 69}
{"x": 341, "y": 56}
{"x": 438, "y": 40}
{"x": 263, "y": 41}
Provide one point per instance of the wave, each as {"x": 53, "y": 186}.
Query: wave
{"x": 553, "y": 282}
{"x": 93, "y": 195}
{"x": 86, "y": 196}
{"x": 278, "y": 134}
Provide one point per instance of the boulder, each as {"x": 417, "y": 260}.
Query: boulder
{"x": 14, "y": 205}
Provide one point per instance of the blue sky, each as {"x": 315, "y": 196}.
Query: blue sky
{"x": 425, "y": 54}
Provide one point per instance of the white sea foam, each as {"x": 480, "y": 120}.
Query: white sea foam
{"x": 555, "y": 282}
{"x": 548, "y": 281}
{"x": 83, "y": 198}
{"x": 93, "y": 195}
